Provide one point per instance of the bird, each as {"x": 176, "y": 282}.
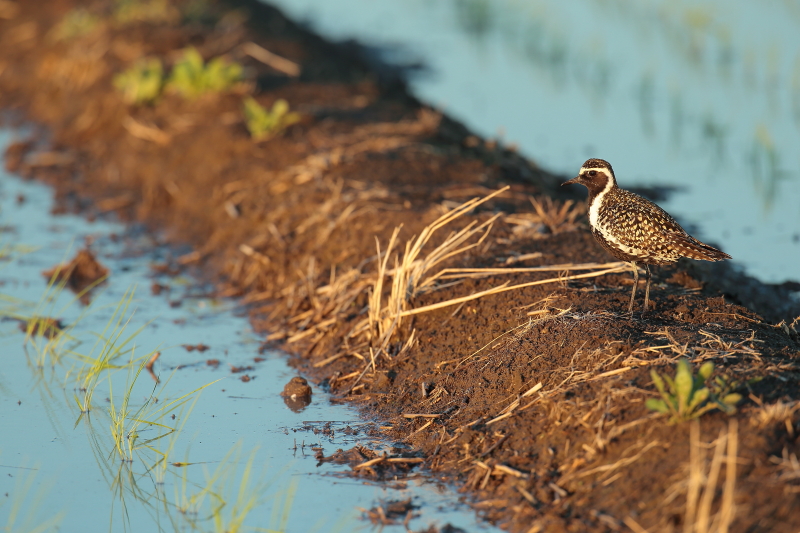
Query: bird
{"x": 634, "y": 229}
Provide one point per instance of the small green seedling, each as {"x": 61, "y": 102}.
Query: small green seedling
{"x": 142, "y": 83}
{"x": 192, "y": 78}
{"x": 263, "y": 123}
{"x": 688, "y": 397}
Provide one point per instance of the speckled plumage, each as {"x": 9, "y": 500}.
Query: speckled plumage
{"x": 634, "y": 229}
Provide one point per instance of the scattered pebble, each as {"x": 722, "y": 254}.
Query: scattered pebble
{"x": 297, "y": 394}
{"x": 192, "y": 347}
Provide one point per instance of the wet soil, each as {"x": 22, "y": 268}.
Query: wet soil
{"x": 532, "y": 401}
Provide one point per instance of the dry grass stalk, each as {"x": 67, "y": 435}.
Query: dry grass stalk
{"x": 520, "y": 258}
{"x": 713, "y": 347}
{"x": 702, "y": 483}
{"x": 279, "y": 63}
{"x": 501, "y": 469}
{"x": 557, "y": 217}
{"x": 150, "y": 363}
{"x": 425, "y": 426}
{"x": 146, "y": 132}
{"x": 328, "y": 304}
{"x": 460, "y": 273}
{"x": 410, "y": 275}
{"x": 608, "y": 469}
{"x": 505, "y": 287}
{"x": 788, "y": 470}
{"x": 375, "y": 308}
{"x": 778, "y": 412}
{"x": 509, "y": 410}
{"x": 634, "y": 525}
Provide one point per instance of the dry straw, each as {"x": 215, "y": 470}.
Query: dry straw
{"x": 413, "y": 272}
{"x": 403, "y": 273}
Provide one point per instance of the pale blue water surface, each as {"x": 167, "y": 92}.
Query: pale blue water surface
{"x": 703, "y": 96}
{"x": 60, "y": 470}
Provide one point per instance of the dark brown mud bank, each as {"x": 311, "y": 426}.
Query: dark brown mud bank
{"x": 344, "y": 234}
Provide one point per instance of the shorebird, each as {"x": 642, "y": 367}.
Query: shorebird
{"x": 634, "y": 229}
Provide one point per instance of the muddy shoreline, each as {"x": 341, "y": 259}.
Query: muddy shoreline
{"x": 531, "y": 400}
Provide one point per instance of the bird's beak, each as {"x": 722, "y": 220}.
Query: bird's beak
{"x": 576, "y": 179}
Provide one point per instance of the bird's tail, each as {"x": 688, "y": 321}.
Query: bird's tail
{"x": 694, "y": 249}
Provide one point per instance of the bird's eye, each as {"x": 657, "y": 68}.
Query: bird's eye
{"x": 593, "y": 173}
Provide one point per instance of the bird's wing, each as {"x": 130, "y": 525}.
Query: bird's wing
{"x": 641, "y": 225}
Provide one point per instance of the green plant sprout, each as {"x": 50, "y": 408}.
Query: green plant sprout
{"x": 262, "y": 123}
{"x": 111, "y": 347}
{"x": 129, "y": 461}
{"x": 142, "y": 82}
{"x": 192, "y": 78}
{"x": 688, "y": 397}
{"x": 76, "y": 23}
{"x": 127, "y": 425}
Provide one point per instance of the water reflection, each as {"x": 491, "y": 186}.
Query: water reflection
{"x": 475, "y": 17}
{"x": 698, "y": 51}
{"x": 766, "y": 167}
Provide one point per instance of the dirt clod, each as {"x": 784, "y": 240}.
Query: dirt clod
{"x": 192, "y": 347}
{"x": 297, "y": 387}
{"x": 297, "y": 394}
{"x": 81, "y": 273}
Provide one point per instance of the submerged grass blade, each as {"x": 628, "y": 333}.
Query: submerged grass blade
{"x": 126, "y": 424}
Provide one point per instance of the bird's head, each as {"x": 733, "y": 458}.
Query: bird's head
{"x": 595, "y": 175}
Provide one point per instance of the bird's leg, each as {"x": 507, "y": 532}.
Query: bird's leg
{"x": 635, "y": 285}
{"x": 647, "y": 287}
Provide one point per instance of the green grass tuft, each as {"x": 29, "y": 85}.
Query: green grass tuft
{"x": 141, "y": 83}
{"x": 192, "y": 78}
{"x": 686, "y": 397}
{"x": 263, "y": 123}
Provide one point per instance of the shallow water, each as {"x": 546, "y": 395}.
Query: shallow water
{"x": 703, "y": 97}
{"x": 60, "y": 468}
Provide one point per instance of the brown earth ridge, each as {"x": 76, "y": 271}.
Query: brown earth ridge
{"x": 530, "y": 399}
